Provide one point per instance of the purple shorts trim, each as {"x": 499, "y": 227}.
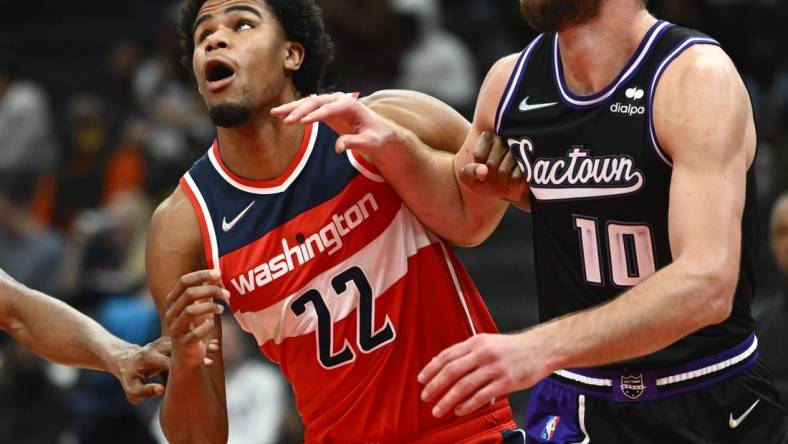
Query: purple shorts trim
{"x": 642, "y": 385}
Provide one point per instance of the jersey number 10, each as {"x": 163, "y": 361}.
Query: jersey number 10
{"x": 631, "y": 249}
{"x": 368, "y": 338}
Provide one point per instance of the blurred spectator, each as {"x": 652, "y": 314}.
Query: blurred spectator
{"x": 30, "y": 252}
{"x": 257, "y": 400}
{"x": 29, "y": 149}
{"x": 436, "y": 62}
{"x": 368, "y": 43}
{"x": 28, "y": 143}
{"x": 772, "y": 315}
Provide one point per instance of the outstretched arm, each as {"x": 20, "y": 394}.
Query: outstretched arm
{"x": 427, "y": 180}
{"x": 194, "y": 407}
{"x": 704, "y": 120}
{"x": 58, "y": 332}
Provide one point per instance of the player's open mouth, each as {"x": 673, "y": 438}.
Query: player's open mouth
{"x": 218, "y": 74}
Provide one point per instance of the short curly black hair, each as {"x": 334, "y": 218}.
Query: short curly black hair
{"x": 302, "y": 22}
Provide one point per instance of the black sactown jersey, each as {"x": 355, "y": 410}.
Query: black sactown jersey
{"x": 600, "y": 184}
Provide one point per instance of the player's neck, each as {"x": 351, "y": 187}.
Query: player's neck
{"x": 594, "y": 53}
{"x": 261, "y": 149}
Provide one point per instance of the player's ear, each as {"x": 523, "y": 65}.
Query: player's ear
{"x": 294, "y": 55}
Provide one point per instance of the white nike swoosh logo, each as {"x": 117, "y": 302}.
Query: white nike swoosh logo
{"x": 229, "y": 226}
{"x": 525, "y": 106}
{"x": 733, "y": 423}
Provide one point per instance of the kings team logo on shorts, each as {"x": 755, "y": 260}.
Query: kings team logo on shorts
{"x": 632, "y": 386}
{"x": 550, "y": 427}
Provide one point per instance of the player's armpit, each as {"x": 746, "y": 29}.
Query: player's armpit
{"x": 703, "y": 120}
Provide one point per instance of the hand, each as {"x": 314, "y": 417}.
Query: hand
{"x": 136, "y": 366}
{"x": 359, "y": 127}
{"x": 190, "y": 314}
{"x": 494, "y": 171}
{"x": 475, "y": 372}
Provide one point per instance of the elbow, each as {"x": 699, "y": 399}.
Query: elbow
{"x": 471, "y": 236}
{"x": 718, "y": 287}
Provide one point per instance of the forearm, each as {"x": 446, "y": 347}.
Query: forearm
{"x": 192, "y": 411}
{"x": 426, "y": 180}
{"x": 57, "y": 331}
{"x": 656, "y": 313}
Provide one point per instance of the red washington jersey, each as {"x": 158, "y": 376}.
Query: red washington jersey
{"x": 345, "y": 289}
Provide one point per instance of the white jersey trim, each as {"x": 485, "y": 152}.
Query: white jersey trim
{"x": 611, "y": 89}
{"x": 653, "y": 89}
{"x": 458, "y": 287}
{"x": 517, "y": 78}
{"x": 206, "y": 216}
{"x": 362, "y": 169}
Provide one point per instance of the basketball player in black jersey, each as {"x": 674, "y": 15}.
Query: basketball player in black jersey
{"x": 636, "y": 138}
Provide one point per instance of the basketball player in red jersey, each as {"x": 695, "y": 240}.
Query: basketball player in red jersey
{"x": 316, "y": 254}
{"x": 61, "y": 334}
{"x": 637, "y": 140}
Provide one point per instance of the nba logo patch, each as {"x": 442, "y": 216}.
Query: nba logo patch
{"x": 550, "y": 427}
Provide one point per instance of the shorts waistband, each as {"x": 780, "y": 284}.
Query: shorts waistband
{"x": 648, "y": 385}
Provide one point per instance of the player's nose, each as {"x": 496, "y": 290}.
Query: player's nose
{"x": 217, "y": 40}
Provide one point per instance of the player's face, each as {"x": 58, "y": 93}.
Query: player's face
{"x": 241, "y": 59}
{"x": 780, "y": 235}
{"x": 555, "y": 15}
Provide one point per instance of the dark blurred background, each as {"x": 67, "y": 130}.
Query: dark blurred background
{"x": 98, "y": 122}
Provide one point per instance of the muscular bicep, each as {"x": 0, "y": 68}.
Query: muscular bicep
{"x": 174, "y": 248}
{"x": 437, "y": 124}
{"x": 703, "y": 119}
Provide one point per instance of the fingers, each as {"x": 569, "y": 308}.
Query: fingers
{"x": 302, "y": 109}
{"x": 325, "y": 111}
{"x": 465, "y": 387}
{"x": 196, "y": 278}
{"x": 297, "y": 111}
{"x": 213, "y": 345}
{"x": 192, "y": 314}
{"x": 436, "y": 365}
{"x": 138, "y": 392}
{"x": 191, "y": 296}
{"x": 496, "y": 154}
{"x": 154, "y": 362}
{"x": 473, "y": 174}
{"x": 200, "y": 332}
{"x": 354, "y": 142}
{"x": 484, "y": 145}
{"x": 506, "y": 169}
{"x": 453, "y": 370}
{"x": 282, "y": 111}
{"x": 482, "y": 397}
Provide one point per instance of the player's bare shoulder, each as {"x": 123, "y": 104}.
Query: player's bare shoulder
{"x": 174, "y": 245}
{"x": 492, "y": 91}
{"x": 174, "y": 224}
{"x": 701, "y": 94}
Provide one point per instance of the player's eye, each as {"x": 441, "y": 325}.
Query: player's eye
{"x": 203, "y": 35}
{"x": 243, "y": 26}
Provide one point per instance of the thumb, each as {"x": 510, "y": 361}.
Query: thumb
{"x": 355, "y": 142}
{"x": 473, "y": 173}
